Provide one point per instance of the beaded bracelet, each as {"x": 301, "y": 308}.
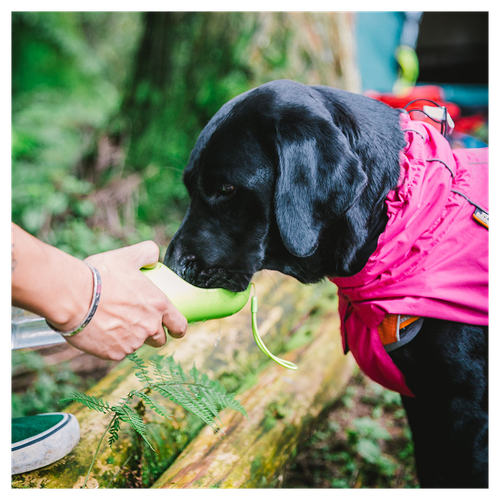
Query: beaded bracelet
{"x": 96, "y": 295}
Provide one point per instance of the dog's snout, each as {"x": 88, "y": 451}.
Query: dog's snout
{"x": 197, "y": 272}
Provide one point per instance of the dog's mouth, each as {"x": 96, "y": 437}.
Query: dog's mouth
{"x": 219, "y": 278}
{"x": 216, "y": 277}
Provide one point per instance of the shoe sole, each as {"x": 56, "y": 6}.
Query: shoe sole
{"x": 47, "y": 447}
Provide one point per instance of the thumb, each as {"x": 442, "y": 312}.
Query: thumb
{"x": 144, "y": 254}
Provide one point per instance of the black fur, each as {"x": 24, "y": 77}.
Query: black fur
{"x": 446, "y": 367}
{"x": 300, "y": 157}
{"x": 293, "y": 178}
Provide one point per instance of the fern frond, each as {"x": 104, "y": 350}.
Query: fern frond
{"x": 195, "y": 374}
{"x": 200, "y": 395}
{"x": 194, "y": 392}
{"x": 113, "y": 431}
{"x": 157, "y": 407}
{"x": 91, "y": 402}
{"x": 157, "y": 363}
{"x": 182, "y": 395}
{"x": 219, "y": 398}
{"x": 209, "y": 402}
{"x": 168, "y": 370}
{"x": 143, "y": 373}
{"x": 228, "y": 401}
{"x": 130, "y": 416}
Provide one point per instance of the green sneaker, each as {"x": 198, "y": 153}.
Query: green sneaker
{"x": 42, "y": 439}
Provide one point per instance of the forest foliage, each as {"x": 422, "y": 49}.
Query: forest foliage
{"x": 106, "y": 107}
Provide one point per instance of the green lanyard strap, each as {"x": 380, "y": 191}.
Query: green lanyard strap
{"x": 258, "y": 340}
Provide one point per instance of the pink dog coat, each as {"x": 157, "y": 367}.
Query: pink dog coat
{"x": 432, "y": 258}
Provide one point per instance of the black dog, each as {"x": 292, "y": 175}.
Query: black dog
{"x": 293, "y": 178}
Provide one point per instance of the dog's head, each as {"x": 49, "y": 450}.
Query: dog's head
{"x": 271, "y": 177}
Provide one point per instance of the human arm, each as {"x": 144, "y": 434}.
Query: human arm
{"x": 57, "y": 286}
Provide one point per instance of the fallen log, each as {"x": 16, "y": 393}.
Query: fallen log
{"x": 289, "y": 317}
{"x": 282, "y": 407}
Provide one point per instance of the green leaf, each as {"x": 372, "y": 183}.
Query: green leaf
{"x": 57, "y": 203}
{"x": 194, "y": 374}
{"x": 113, "y": 431}
{"x": 84, "y": 208}
{"x": 143, "y": 373}
{"x": 369, "y": 450}
{"x": 182, "y": 395}
{"x": 367, "y": 427}
{"x": 157, "y": 407}
{"x": 167, "y": 370}
{"x": 130, "y": 416}
{"x": 91, "y": 402}
{"x": 33, "y": 219}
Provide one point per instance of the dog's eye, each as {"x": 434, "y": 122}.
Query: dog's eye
{"x": 226, "y": 189}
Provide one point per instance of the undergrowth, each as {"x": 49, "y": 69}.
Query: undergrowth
{"x": 363, "y": 442}
{"x": 195, "y": 392}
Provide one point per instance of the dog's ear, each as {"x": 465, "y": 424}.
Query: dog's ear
{"x": 319, "y": 179}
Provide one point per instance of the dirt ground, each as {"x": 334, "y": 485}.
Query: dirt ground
{"x": 364, "y": 442}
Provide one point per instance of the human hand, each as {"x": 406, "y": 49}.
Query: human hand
{"x": 132, "y": 310}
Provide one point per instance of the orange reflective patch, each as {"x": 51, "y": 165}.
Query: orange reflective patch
{"x": 389, "y": 329}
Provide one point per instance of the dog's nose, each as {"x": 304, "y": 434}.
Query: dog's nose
{"x": 173, "y": 256}
{"x": 178, "y": 261}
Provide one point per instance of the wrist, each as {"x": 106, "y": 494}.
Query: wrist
{"x": 96, "y": 295}
{"x": 49, "y": 282}
{"x": 73, "y": 300}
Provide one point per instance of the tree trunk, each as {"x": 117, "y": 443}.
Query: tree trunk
{"x": 290, "y": 316}
{"x": 189, "y": 64}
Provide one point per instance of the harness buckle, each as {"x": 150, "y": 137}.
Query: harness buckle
{"x": 481, "y": 217}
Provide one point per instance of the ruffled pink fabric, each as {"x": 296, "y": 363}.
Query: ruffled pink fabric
{"x": 431, "y": 260}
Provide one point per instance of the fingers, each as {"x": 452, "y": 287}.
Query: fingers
{"x": 176, "y": 324}
{"x": 177, "y": 335}
{"x": 143, "y": 254}
{"x": 127, "y": 295}
{"x": 173, "y": 323}
{"x": 159, "y": 339}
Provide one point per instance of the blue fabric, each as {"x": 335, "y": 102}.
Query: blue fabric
{"x": 378, "y": 35}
